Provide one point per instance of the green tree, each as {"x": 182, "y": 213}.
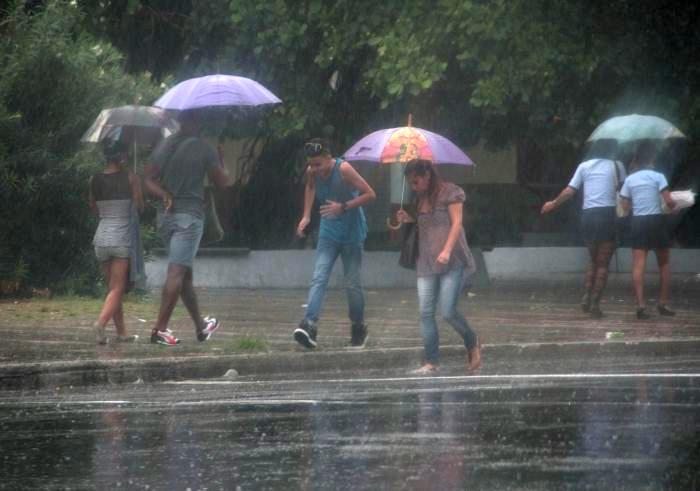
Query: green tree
{"x": 537, "y": 74}
{"x": 56, "y": 80}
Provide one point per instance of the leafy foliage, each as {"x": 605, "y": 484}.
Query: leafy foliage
{"x": 537, "y": 74}
{"x": 56, "y": 79}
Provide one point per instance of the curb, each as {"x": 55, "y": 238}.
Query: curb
{"x": 33, "y": 376}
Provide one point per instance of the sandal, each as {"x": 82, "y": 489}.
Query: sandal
{"x": 426, "y": 369}
{"x": 474, "y": 357}
{"x": 129, "y": 338}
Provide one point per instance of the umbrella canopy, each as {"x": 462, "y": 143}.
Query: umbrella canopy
{"x": 216, "y": 91}
{"x": 404, "y": 144}
{"x": 635, "y": 127}
{"x": 138, "y": 120}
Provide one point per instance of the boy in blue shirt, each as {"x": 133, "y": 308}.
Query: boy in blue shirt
{"x": 342, "y": 192}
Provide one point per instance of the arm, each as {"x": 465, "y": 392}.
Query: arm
{"x": 666, "y": 196}
{"x": 626, "y": 204}
{"x": 136, "y": 191}
{"x": 154, "y": 188}
{"x": 219, "y": 178}
{"x": 455, "y": 211}
{"x": 352, "y": 178}
{"x": 309, "y": 195}
{"x": 566, "y": 194}
{"x": 217, "y": 172}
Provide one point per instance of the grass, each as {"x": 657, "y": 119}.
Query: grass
{"x": 251, "y": 344}
{"x": 16, "y": 312}
{"x": 22, "y": 315}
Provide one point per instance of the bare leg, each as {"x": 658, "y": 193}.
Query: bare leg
{"x": 189, "y": 298}
{"x": 171, "y": 292}
{"x": 639, "y": 261}
{"x": 604, "y": 253}
{"x": 117, "y": 278}
{"x": 588, "y": 281}
{"x": 663, "y": 258}
{"x": 105, "y": 267}
{"x": 118, "y": 318}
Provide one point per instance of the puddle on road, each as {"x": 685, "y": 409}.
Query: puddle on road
{"x": 631, "y": 432}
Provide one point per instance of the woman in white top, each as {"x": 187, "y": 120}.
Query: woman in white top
{"x": 642, "y": 192}
{"x": 597, "y": 176}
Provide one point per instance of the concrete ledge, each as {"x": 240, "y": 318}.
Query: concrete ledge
{"x": 576, "y": 355}
{"x": 293, "y": 268}
{"x": 282, "y": 269}
{"x": 516, "y": 262}
{"x": 212, "y": 251}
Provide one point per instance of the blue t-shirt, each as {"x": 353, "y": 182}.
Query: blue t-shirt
{"x": 349, "y": 227}
{"x": 597, "y": 178}
{"x": 643, "y": 188}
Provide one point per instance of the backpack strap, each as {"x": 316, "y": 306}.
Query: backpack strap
{"x": 618, "y": 184}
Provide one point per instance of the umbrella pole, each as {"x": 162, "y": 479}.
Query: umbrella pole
{"x": 134, "y": 155}
{"x": 388, "y": 220}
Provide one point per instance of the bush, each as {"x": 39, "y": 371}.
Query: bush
{"x": 55, "y": 81}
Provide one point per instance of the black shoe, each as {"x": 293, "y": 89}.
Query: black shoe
{"x": 663, "y": 310}
{"x": 358, "y": 335}
{"x": 305, "y": 334}
{"x": 586, "y": 303}
{"x": 642, "y": 314}
{"x": 595, "y": 311}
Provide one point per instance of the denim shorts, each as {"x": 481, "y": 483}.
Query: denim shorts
{"x": 180, "y": 233}
{"x": 106, "y": 253}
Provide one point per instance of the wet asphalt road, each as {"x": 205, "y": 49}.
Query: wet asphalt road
{"x": 509, "y": 428}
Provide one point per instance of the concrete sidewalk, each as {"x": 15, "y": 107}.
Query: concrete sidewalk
{"x": 512, "y": 319}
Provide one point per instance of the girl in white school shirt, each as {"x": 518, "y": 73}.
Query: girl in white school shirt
{"x": 642, "y": 192}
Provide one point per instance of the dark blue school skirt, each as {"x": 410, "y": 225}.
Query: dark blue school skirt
{"x": 649, "y": 232}
{"x": 598, "y": 225}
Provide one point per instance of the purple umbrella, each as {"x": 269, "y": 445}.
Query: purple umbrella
{"x": 216, "y": 90}
{"x": 403, "y": 144}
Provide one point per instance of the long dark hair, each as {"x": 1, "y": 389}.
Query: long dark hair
{"x": 645, "y": 154}
{"x": 421, "y": 168}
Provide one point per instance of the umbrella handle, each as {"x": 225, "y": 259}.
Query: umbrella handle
{"x": 391, "y": 226}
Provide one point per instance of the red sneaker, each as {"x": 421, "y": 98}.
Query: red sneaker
{"x": 166, "y": 338}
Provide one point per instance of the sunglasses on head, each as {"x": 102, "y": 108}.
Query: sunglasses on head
{"x": 312, "y": 149}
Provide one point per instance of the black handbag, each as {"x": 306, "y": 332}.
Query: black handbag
{"x": 409, "y": 246}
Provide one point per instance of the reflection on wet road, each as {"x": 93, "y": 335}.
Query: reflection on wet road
{"x": 630, "y": 431}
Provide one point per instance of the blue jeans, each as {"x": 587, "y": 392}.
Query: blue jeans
{"x": 327, "y": 251}
{"x": 447, "y": 287}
